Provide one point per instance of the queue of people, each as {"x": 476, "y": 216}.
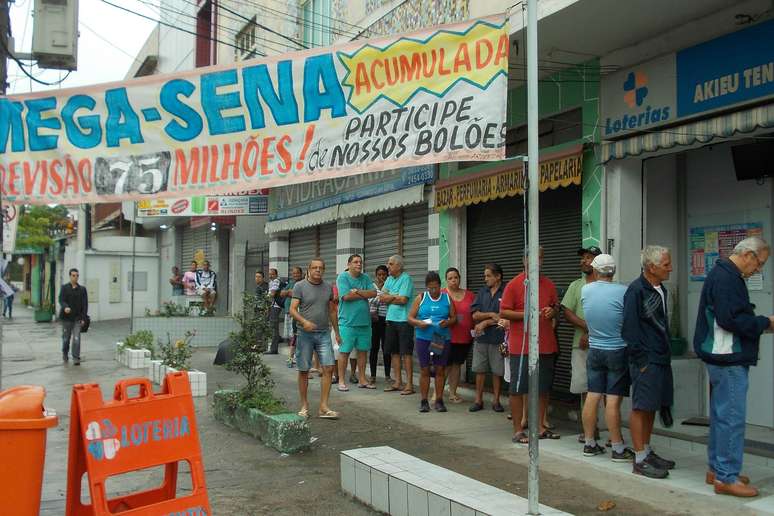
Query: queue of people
{"x": 621, "y": 345}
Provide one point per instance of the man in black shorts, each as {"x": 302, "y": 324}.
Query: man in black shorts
{"x": 398, "y": 290}
{"x": 646, "y": 333}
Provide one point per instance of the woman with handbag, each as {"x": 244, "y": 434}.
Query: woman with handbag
{"x": 431, "y": 315}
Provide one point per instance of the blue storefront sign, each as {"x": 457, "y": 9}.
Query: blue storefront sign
{"x": 728, "y": 70}
{"x": 299, "y": 199}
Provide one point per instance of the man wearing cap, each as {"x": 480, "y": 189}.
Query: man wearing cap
{"x": 573, "y": 312}
{"x": 608, "y": 364}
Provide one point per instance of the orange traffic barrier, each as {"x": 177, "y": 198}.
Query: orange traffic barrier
{"x": 23, "y": 425}
{"x": 133, "y": 433}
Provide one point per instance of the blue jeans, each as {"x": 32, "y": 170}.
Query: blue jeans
{"x": 728, "y": 407}
{"x": 309, "y": 342}
{"x": 8, "y": 305}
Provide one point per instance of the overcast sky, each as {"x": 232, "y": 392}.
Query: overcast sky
{"x": 109, "y": 40}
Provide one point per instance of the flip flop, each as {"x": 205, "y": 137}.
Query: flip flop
{"x": 520, "y": 438}
{"x": 366, "y": 386}
{"x": 304, "y": 413}
{"x": 407, "y": 392}
{"x": 456, "y": 399}
{"x": 548, "y": 434}
{"x": 392, "y": 388}
{"x": 342, "y": 388}
{"x": 328, "y": 414}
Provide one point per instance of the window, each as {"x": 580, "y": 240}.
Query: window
{"x": 247, "y": 42}
{"x": 205, "y": 34}
{"x": 316, "y": 23}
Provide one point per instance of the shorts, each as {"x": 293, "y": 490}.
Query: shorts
{"x": 459, "y": 353}
{"x": 487, "y": 359}
{"x": 652, "y": 386}
{"x": 579, "y": 380}
{"x": 355, "y": 337}
{"x": 200, "y": 291}
{"x": 308, "y": 342}
{"x": 423, "y": 354}
{"x": 608, "y": 371}
{"x": 545, "y": 370}
{"x": 399, "y": 338}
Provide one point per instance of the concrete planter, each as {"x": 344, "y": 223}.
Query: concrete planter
{"x": 197, "y": 379}
{"x": 286, "y": 433}
{"x": 132, "y": 358}
{"x": 154, "y": 371}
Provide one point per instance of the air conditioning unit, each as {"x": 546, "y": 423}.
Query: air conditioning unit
{"x": 55, "y": 34}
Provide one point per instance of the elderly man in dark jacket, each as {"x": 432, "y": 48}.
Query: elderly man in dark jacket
{"x": 726, "y": 339}
{"x": 646, "y": 333}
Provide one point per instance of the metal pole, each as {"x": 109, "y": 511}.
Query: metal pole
{"x": 134, "y": 246}
{"x": 533, "y": 481}
{"x": 5, "y": 30}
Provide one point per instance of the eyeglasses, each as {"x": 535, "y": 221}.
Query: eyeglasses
{"x": 760, "y": 264}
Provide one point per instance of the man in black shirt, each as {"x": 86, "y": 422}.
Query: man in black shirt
{"x": 75, "y": 308}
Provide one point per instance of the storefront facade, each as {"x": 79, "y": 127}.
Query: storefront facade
{"x": 686, "y": 168}
{"x": 481, "y": 205}
{"x": 376, "y": 215}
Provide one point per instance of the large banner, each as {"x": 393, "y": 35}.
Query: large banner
{"x": 428, "y": 97}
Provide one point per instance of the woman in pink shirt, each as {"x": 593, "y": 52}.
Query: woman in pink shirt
{"x": 461, "y": 338}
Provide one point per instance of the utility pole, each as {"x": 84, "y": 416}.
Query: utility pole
{"x": 533, "y": 275}
{"x": 5, "y": 33}
{"x": 133, "y": 232}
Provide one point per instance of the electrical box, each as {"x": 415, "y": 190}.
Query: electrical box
{"x": 55, "y": 34}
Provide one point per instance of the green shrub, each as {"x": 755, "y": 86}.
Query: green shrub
{"x": 142, "y": 339}
{"x": 247, "y": 348}
{"x": 177, "y": 353}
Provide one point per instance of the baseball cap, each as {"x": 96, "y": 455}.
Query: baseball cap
{"x": 604, "y": 263}
{"x": 596, "y": 251}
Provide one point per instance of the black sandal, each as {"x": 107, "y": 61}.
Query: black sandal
{"x": 548, "y": 434}
{"x": 520, "y": 438}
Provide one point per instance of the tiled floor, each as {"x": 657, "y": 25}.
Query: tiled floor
{"x": 402, "y": 485}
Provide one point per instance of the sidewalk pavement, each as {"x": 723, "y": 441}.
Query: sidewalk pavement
{"x": 684, "y": 491}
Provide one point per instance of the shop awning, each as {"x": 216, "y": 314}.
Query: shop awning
{"x": 306, "y": 220}
{"x": 702, "y": 131}
{"x": 563, "y": 168}
{"x": 389, "y": 201}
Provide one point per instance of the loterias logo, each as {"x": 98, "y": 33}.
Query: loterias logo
{"x": 636, "y": 90}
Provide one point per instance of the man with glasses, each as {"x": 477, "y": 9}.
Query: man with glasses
{"x": 727, "y": 339}
{"x": 74, "y": 302}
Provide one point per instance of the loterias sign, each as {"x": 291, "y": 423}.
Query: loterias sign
{"x": 432, "y": 96}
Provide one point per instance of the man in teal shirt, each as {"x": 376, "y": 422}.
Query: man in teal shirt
{"x": 398, "y": 291}
{"x": 355, "y": 289}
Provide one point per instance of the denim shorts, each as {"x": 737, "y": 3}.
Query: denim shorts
{"x": 308, "y": 342}
{"x": 652, "y": 386}
{"x": 520, "y": 385}
{"x": 608, "y": 371}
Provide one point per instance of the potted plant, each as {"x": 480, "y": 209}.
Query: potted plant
{"x": 45, "y": 313}
{"x": 176, "y": 356}
{"x": 254, "y": 409}
{"x": 137, "y": 350}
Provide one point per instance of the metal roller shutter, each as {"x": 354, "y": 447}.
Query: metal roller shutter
{"x": 328, "y": 250}
{"x": 415, "y": 244}
{"x": 496, "y": 234}
{"x": 302, "y": 246}
{"x": 380, "y": 239}
{"x": 194, "y": 239}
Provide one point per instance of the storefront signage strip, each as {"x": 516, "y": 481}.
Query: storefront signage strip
{"x": 554, "y": 173}
{"x": 432, "y": 96}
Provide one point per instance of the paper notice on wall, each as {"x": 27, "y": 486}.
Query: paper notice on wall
{"x": 709, "y": 243}
{"x": 10, "y": 224}
{"x": 755, "y": 282}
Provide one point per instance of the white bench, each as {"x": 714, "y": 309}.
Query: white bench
{"x": 401, "y": 485}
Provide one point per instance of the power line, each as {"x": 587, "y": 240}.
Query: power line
{"x": 134, "y": 58}
{"x": 230, "y": 31}
{"x": 23, "y": 68}
{"x": 264, "y": 27}
{"x": 160, "y": 22}
{"x": 359, "y": 28}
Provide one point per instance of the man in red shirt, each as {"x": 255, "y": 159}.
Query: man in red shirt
{"x": 512, "y": 308}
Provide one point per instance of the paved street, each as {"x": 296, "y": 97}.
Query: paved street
{"x": 244, "y": 477}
